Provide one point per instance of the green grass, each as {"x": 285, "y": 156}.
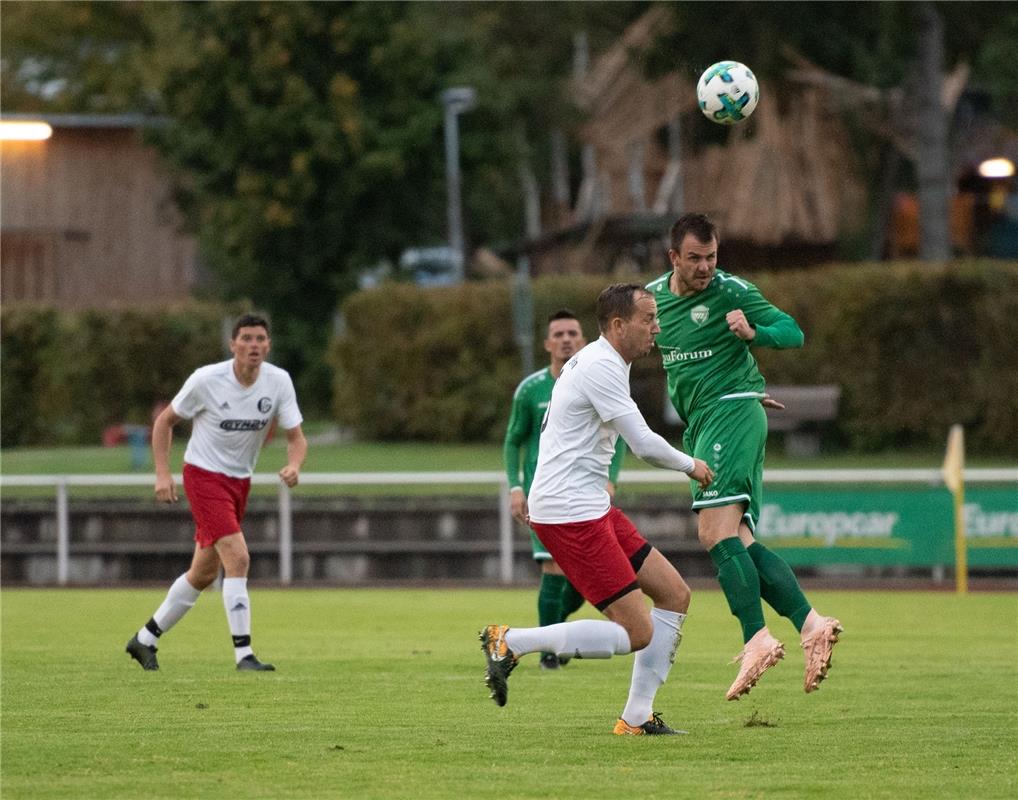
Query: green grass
{"x": 344, "y": 457}
{"x": 379, "y": 695}
{"x": 385, "y": 457}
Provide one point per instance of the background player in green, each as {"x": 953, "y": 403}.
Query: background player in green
{"x": 709, "y": 321}
{"x": 556, "y": 599}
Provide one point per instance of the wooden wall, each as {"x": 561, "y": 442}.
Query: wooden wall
{"x": 88, "y": 221}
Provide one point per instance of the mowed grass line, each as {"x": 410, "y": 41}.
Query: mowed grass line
{"x": 379, "y": 695}
{"x": 386, "y": 457}
{"x": 411, "y": 456}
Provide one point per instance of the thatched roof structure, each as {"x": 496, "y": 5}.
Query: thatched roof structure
{"x": 784, "y": 175}
{"x": 786, "y": 179}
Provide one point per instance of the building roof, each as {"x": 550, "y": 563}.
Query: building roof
{"x": 86, "y": 120}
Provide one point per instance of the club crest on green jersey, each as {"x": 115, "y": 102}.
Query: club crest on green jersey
{"x": 699, "y": 314}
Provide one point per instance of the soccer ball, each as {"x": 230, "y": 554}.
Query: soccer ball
{"x": 728, "y": 92}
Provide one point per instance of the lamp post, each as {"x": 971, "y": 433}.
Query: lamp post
{"x": 456, "y": 101}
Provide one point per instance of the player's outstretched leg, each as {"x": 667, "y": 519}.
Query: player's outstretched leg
{"x": 143, "y": 654}
{"x": 582, "y": 638}
{"x": 761, "y": 653}
{"x": 819, "y": 635}
{"x": 655, "y": 726}
{"x": 500, "y": 662}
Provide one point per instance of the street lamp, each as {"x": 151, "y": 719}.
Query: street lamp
{"x": 457, "y": 100}
{"x": 997, "y": 168}
{"x": 25, "y": 131}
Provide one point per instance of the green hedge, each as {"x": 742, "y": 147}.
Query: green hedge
{"x": 914, "y": 347}
{"x": 66, "y": 376}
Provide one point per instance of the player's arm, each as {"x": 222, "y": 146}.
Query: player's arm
{"x": 762, "y": 324}
{"x": 162, "y": 438}
{"x": 515, "y": 435}
{"x": 296, "y": 452}
{"x": 653, "y": 449}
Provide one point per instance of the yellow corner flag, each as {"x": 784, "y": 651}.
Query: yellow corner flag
{"x": 954, "y": 479}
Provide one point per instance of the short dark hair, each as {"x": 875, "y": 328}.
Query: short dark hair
{"x": 562, "y": 313}
{"x": 249, "y": 321}
{"x": 618, "y": 300}
{"x": 700, "y": 225}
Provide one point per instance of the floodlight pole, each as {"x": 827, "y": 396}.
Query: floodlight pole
{"x": 456, "y": 101}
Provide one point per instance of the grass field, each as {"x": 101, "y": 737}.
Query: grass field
{"x": 379, "y": 695}
{"x": 387, "y": 457}
{"x": 409, "y": 456}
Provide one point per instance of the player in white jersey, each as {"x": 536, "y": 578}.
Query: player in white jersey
{"x": 232, "y": 405}
{"x": 601, "y": 552}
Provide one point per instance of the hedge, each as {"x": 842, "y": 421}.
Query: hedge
{"x": 67, "y": 376}
{"x": 915, "y": 348}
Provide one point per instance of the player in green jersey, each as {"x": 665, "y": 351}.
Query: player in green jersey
{"x": 710, "y": 321}
{"x": 556, "y": 599}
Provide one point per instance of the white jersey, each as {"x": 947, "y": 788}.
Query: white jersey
{"x": 231, "y": 420}
{"x": 577, "y": 444}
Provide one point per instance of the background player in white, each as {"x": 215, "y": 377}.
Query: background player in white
{"x": 599, "y": 549}
{"x": 232, "y": 405}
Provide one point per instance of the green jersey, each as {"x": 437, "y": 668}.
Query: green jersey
{"x": 524, "y": 432}
{"x": 704, "y": 361}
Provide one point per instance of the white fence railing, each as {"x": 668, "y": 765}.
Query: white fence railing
{"x": 62, "y": 483}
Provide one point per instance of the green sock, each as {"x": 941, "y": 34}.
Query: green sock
{"x": 741, "y": 584}
{"x": 571, "y": 600}
{"x": 778, "y": 585}
{"x": 549, "y": 599}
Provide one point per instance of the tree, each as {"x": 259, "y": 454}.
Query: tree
{"x": 79, "y": 57}
{"x": 306, "y": 138}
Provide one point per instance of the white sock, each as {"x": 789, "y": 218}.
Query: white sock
{"x": 582, "y": 638}
{"x": 652, "y": 664}
{"x": 238, "y": 613}
{"x": 179, "y": 600}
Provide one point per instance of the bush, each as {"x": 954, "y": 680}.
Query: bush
{"x": 30, "y": 394}
{"x": 915, "y": 348}
{"x": 66, "y": 376}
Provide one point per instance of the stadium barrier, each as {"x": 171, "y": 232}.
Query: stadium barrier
{"x": 825, "y": 519}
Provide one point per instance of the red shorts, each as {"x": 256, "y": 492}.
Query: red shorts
{"x": 217, "y": 503}
{"x": 600, "y": 556}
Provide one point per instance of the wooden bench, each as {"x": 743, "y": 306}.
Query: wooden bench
{"x": 807, "y": 410}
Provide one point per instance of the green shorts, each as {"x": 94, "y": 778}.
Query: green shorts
{"x": 731, "y": 437}
{"x": 540, "y": 551}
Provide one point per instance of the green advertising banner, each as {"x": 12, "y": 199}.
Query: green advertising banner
{"x": 896, "y": 525}
{"x": 991, "y": 526}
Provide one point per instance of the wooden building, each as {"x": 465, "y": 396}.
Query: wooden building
{"x": 88, "y": 218}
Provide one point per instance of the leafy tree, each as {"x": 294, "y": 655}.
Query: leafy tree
{"x": 81, "y": 57}
{"x": 306, "y": 138}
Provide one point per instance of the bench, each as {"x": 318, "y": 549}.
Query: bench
{"x": 807, "y": 409}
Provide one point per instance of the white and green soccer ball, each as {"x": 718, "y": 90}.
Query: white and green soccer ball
{"x": 727, "y": 92}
